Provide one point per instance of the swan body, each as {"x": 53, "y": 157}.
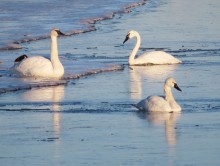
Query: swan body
{"x": 38, "y": 66}
{"x": 164, "y": 103}
{"x": 148, "y": 58}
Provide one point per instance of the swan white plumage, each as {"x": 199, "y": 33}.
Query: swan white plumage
{"x": 148, "y": 58}
{"x": 164, "y": 103}
{"x": 38, "y": 66}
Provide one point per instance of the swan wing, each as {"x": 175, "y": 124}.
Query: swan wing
{"x": 157, "y": 58}
{"x": 154, "y": 103}
{"x": 34, "y": 66}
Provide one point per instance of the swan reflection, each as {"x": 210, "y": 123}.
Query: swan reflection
{"x": 53, "y": 94}
{"x": 46, "y": 94}
{"x": 168, "y": 120}
{"x": 138, "y": 75}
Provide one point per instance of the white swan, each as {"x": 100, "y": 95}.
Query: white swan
{"x": 38, "y": 66}
{"x": 164, "y": 103}
{"x": 148, "y": 58}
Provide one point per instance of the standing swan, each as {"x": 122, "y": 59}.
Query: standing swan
{"x": 164, "y": 103}
{"x": 38, "y": 66}
{"x": 148, "y": 58}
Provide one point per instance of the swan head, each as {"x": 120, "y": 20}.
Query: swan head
{"x": 56, "y": 32}
{"x": 130, "y": 35}
{"x": 20, "y": 58}
{"x": 171, "y": 82}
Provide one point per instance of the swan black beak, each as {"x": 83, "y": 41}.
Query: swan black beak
{"x": 126, "y": 39}
{"x": 177, "y": 87}
{"x": 60, "y": 33}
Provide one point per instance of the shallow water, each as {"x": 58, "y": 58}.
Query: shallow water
{"x": 90, "y": 121}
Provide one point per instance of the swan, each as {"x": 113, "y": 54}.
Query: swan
{"x": 164, "y": 103}
{"x": 38, "y": 66}
{"x": 148, "y": 58}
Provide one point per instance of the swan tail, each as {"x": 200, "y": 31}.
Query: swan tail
{"x": 136, "y": 106}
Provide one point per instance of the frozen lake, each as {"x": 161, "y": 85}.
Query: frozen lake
{"x": 90, "y": 121}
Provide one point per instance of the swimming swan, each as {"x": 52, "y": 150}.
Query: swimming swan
{"x": 164, "y": 103}
{"x": 38, "y": 66}
{"x": 148, "y": 58}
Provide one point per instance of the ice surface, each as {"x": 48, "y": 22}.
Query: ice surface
{"x": 23, "y": 21}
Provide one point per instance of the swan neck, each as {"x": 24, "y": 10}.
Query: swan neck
{"x": 54, "y": 49}
{"x": 168, "y": 94}
{"x": 54, "y": 52}
{"x": 135, "y": 50}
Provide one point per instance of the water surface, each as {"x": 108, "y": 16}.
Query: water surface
{"x": 90, "y": 121}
